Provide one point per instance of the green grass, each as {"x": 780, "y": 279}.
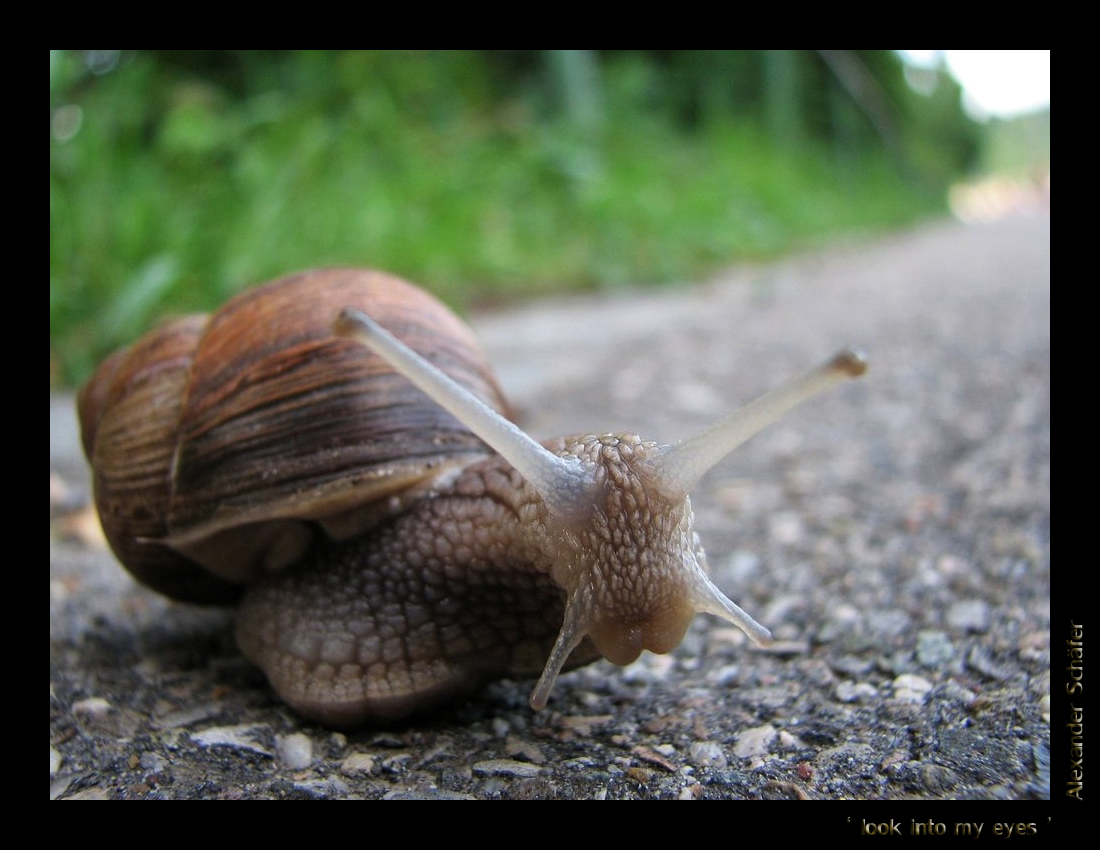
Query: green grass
{"x": 176, "y": 192}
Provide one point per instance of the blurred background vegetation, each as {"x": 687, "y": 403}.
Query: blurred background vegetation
{"x": 178, "y": 178}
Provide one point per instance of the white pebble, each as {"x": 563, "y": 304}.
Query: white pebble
{"x": 755, "y": 742}
{"x": 295, "y": 751}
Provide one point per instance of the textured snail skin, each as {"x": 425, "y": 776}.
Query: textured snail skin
{"x": 434, "y": 603}
{"x": 462, "y": 588}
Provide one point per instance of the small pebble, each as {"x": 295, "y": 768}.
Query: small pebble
{"x": 911, "y": 688}
{"x": 358, "y": 764}
{"x": 238, "y": 737}
{"x": 92, "y": 707}
{"x": 855, "y": 691}
{"x": 506, "y": 767}
{"x": 969, "y": 615}
{"x": 935, "y": 650}
{"x": 295, "y": 751}
{"x": 707, "y": 754}
{"x": 755, "y": 742}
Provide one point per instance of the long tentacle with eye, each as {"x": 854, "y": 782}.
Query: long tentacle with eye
{"x": 562, "y": 482}
{"x": 680, "y": 467}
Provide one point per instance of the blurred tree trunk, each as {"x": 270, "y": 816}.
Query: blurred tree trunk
{"x": 782, "y": 96}
{"x": 576, "y": 76}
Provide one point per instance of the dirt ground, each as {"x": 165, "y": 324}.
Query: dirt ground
{"x": 895, "y": 535}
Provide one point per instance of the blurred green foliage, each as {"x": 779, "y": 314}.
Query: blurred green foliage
{"x": 179, "y": 178}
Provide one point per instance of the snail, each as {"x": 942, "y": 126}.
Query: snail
{"x": 331, "y": 451}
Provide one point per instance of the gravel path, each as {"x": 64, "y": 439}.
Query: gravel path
{"x": 895, "y": 535}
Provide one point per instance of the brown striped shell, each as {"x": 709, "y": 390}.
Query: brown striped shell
{"x": 221, "y": 444}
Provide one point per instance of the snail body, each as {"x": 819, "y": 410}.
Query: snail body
{"x": 393, "y": 540}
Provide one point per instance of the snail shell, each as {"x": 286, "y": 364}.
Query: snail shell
{"x": 342, "y": 486}
{"x": 218, "y": 441}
